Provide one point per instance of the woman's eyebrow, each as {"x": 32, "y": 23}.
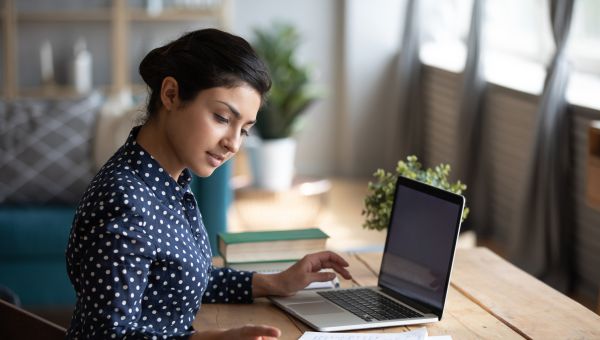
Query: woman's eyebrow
{"x": 235, "y": 112}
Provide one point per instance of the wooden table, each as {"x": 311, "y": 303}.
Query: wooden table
{"x": 488, "y": 298}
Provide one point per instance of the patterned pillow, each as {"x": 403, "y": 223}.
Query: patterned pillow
{"x": 46, "y": 149}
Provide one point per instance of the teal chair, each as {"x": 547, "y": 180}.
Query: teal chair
{"x": 33, "y": 240}
{"x": 214, "y": 196}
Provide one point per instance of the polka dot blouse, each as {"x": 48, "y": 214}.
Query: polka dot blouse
{"x": 138, "y": 254}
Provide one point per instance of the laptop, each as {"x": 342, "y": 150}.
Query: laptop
{"x": 415, "y": 270}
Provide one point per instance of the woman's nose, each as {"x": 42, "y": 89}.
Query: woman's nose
{"x": 232, "y": 142}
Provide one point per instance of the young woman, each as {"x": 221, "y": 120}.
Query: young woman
{"x": 138, "y": 253}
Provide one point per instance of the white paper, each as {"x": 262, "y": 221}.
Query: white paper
{"x": 417, "y": 334}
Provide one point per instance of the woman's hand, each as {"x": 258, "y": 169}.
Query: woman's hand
{"x": 246, "y": 332}
{"x": 300, "y": 275}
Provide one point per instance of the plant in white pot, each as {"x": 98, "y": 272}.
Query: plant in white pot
{"x": 272, "y": 154}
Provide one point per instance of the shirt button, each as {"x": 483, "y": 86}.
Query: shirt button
{"x": 191, "y": 204}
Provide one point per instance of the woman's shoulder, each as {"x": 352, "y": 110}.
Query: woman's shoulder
{"x": 114, "y": 185}
{"x": 111, "y": 199}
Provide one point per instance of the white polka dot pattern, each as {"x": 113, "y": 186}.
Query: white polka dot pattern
{"x": 138, "y": 254}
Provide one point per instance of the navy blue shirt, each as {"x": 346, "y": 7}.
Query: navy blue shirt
{"x": 138, "y": 254}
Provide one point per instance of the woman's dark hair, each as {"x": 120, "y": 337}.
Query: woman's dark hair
{"x": 201, "y": 60}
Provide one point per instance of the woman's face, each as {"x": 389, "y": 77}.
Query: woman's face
{"x": 210, "y": 129}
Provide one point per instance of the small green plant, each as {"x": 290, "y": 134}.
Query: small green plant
{"x": 291, "y": 93}
{"x": 380, "y": 197}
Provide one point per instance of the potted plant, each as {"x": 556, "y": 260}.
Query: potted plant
{"x": 380, "y": 196}
{"x": 272, "y": 155}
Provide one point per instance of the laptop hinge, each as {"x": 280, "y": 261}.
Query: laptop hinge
{"x": 424, "y": 308}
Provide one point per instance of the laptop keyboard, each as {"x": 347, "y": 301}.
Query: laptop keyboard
{"x": 368, "y": 304}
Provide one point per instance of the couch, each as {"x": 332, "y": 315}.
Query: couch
{"x": 49, "y": 150}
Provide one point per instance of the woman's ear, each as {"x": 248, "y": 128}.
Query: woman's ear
{"x": 169, "y": 93}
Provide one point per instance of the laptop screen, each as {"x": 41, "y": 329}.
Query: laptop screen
{"x": 420, "y": 243}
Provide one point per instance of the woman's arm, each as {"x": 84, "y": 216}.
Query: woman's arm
{"x": 112, "y": 277}
{"x": 226, "y": 285}
{"x": 300, "y": 275}
{"x": 288, "y": 282}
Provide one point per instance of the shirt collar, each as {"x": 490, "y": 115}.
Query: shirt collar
{"x": 152, "y": 173}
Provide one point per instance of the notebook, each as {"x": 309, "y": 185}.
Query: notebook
{"x": 415, "y": 270}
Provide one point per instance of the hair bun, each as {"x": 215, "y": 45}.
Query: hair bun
{"x": 152, "y": 67}
{"x": 201, "y": 60}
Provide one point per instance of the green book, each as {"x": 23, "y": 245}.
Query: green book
{"x": 276, "y": 245}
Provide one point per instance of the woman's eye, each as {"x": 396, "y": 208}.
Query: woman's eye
{"x": 244, "y": 132}
{"x": 221, "y": 118}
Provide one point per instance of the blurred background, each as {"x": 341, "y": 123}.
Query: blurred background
{"x": 506, "y": 92}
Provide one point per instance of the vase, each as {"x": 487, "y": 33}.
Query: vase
{"x": 272, "y": 162}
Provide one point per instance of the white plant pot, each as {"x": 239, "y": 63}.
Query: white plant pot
{"x": 272, "y": 162}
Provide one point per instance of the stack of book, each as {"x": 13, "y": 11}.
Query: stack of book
{"x": 271, "y": 251}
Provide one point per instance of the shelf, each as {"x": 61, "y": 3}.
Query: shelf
{"x": 175, "y": 14}
{"x": 133, "y": 14}
{"x": 65, "y": 91}
{"x": 116, "y": 15}
{"x": 72, "y": 16}
{"x": 57, "y": 91}
{"x": 52, "y": 91}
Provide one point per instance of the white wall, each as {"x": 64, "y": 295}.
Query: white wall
{"x": 317, "y": 22}
{"x": 353, "y": 44}
{"x": 372, "y": 36}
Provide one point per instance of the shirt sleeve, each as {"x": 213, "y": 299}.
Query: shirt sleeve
{"x": 114, "y": 274}
{"x": 226, "y": 285}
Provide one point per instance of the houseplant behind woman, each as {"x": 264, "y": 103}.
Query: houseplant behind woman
{"x": 272, "y": 156}
{"x": 138, "y": 254}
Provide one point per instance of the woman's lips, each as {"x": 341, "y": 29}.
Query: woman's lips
{"x": 214, "y": 160}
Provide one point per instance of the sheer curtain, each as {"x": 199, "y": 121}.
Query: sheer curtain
{"x": 470, "y": 122}
{"x": 410, "y": 138}
{"x": 542, "y": 242}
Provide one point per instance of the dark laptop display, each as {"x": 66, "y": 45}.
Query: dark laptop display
{"x": 418, "y": 255}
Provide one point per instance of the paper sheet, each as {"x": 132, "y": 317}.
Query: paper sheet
{"x": 417, "y": 334}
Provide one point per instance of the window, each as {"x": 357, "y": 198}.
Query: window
{"x": 445, "y": 26}
{"x": 584, "y": 52}
{"x": 520, "y": 28}
{"x": 585, "y": 37}
{"x": 517, "y": 43}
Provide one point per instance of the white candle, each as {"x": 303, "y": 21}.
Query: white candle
{"x": 82, "y": 68}
{"x": 154, "y": 7}
{"x": 46, "y": 63}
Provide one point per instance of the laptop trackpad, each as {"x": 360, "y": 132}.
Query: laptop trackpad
{"x": 312, "y": 308}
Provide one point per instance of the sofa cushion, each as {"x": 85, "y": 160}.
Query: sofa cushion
{"x": 46, "y": 149}
{"x": 34, "y": 232}
{"x": 41, "y": 283}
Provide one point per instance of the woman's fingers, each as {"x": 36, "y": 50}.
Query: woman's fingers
{"x": 338, "y": 259}
{"x": 329, "y": 259}
{"x": 308, "y": 270}
{"x": 322, "y": 276}
{"x": 329, "y": 256}
{"x": 340, "y": 270}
